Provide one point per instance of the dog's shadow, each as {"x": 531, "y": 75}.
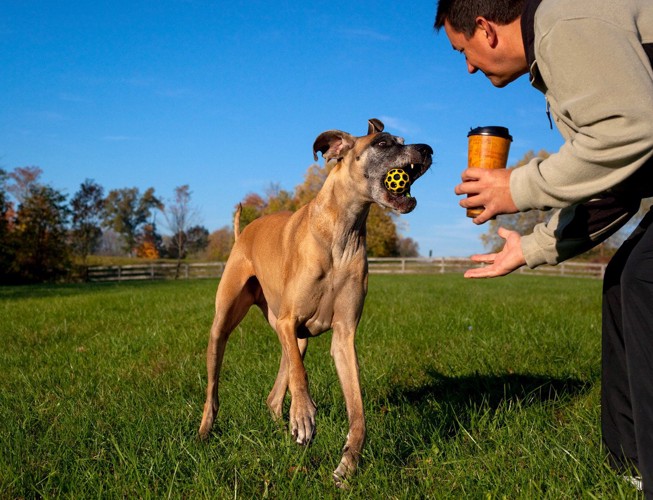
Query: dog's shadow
{"x": 445, "y": 405}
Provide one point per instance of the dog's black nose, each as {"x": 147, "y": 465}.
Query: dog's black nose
{"x": 425, "y": 149}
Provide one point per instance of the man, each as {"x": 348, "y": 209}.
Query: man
{"x": 591, "y": 59}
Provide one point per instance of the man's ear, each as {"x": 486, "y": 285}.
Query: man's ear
{"x": 489, "y": 29}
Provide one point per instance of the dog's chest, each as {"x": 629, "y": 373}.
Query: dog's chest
{"x": 330, "y": 300}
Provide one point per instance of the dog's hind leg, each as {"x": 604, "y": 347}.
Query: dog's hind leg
{"x": 278, "y": 392}
{"x": 234, "y": 298}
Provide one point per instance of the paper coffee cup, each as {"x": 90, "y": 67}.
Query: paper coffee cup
{"x": 488, "y": 147}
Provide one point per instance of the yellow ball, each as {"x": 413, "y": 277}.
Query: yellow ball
{"x": 397, "y": 181}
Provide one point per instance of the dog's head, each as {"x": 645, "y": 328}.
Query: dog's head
{"x": 369, "y": 159}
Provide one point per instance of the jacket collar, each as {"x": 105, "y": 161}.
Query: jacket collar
{"x": 528, "y": 36}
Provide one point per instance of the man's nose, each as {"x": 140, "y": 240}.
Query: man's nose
{"x": 471, "y": 69}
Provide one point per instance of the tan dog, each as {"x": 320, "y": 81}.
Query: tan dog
{"x": 307, "y": 272}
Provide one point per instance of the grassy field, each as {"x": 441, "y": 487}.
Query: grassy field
{"x": 472, "y": 390}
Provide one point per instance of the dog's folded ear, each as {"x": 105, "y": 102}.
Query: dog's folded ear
{"x": 333, "y": 144}
{"x": 374, "y": 126}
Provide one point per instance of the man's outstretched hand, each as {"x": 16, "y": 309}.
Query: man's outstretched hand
{"x": 504, "y": 262}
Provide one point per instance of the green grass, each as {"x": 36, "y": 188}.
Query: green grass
{"x": 472, "y": 389}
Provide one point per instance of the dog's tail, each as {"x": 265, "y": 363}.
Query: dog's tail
{"x": 237, "y": 221}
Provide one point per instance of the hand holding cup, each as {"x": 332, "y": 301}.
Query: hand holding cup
{"x": 488, "y": 148}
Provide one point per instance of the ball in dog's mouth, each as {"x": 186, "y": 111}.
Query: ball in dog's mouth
{"x": 398, "y": 180}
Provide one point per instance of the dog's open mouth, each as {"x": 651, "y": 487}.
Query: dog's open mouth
{"x": 397, "y": 185}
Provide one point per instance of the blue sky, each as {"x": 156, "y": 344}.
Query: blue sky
{"x": 228, "y": 97}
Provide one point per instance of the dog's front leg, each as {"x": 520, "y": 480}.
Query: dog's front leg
{"x": 302, "y": 407}
{"x": 344, "y": 355}
{"x": 278, "y": 392}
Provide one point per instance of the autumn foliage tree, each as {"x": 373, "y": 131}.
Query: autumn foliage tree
{"x": 22, "y": 180}
{"x": 126, "y": 211}
{"x": 219, "y": 244}
{"x": 7, "y": 249}
{"x": 148, "y": 243}
{"x": 33, "y": 228}
{"x": 42, "y": 252}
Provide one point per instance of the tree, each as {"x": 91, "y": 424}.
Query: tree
{"x": 149, "y": 243}
{"x": 382, "y": 237}
{"x": 126, "y": 212}
{"x": 24, "y": 179}
{"x": 408, "y": 247}
{"x": 252, "y": 208}
{"x": 219, "y": 244}
{"x": 180, "y": 215}
{"x": 87, "y": 206}
{"x": 7, "y": 248}
{"x": 279, "y": 200}
{"x": 197, "y": 240}
{"x": 313, "y": 182}
{"x": 42, "y": 251}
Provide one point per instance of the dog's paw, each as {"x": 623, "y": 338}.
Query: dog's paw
{"x": 302, "y": 420}
{"x": 203, "y": 434}
{"x": 345, "y": 470}
{"x": 340, "y": 481}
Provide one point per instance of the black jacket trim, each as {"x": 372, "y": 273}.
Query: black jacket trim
{"x": 528, "y": 29}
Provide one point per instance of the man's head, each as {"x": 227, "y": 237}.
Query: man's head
{"x": 488, "y": 34}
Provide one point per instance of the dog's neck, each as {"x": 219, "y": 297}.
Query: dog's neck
{"x": 337, "y": 217}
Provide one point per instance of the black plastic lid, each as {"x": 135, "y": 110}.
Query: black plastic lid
{"x": 496, "y": 131}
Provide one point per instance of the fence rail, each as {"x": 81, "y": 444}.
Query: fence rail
{"x": 459, "y": 264}
{"x": 400, "y": 265}
{"x": 155, "y": 271}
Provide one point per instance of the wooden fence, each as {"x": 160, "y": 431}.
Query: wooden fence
{"x": 439, "y": 265}
{"x": 155, "y": 271}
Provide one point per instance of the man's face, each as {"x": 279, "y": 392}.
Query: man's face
{"x": 485, "y": 52}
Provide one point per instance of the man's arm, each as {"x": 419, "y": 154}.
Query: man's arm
{"x": 601, "y": 95}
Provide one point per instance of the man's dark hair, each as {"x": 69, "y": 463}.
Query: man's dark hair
{"x": 462, "y": 14}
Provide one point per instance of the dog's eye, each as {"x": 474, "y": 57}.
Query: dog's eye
{"x": 382, "y": 144}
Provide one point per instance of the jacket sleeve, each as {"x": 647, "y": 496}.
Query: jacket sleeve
{"x": 575, "y": 229}
{"x": 600, "y": 86}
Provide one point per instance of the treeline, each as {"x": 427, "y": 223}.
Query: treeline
{"x": 44, "y": 236}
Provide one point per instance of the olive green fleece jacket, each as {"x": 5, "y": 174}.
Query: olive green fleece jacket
{"x": 591, "y": 64}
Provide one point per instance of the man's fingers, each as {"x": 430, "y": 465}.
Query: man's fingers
{"x": 481, "y": 272}
{"x": 470, "y": 202}
{"x": 487, "y": 258}
{"x": 472, "y": 174}
{"x": 467, "y": 187}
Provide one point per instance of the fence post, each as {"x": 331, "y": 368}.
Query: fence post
{"x": 119, "y": 273}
